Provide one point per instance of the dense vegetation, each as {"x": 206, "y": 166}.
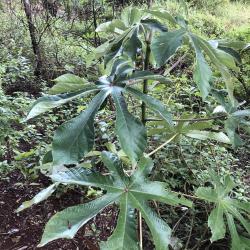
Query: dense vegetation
{"x": 138, "y": 113}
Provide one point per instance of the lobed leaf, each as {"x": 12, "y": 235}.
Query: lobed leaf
{"x": 131, "y": 132}
{"x": 75, "y": 138}
{"x": 45, "y": 103}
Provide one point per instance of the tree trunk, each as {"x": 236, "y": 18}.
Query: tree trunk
{"x": 35, "y": 45}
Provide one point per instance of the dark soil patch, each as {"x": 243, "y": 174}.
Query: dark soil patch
{"x": 24, "y": 230}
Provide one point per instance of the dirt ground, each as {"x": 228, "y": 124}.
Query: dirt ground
{"x": 23, "y": 231}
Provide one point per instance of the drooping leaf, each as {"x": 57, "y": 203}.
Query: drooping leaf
{"x": 139, "y": 76}
{"x": 113, "y": 26}
{"x": 164, "y": 15}
{"x": 130, "y": 131}
{"x": 45, "y": 103}
{"x": 153, "y": 24}
{"x": 202, "y": 72}
{"x": 220, "y": 59}
{"x": 231, "y": 125}
{"x": 160, "y": 230}
{"x": 41, "y": 196}
{"x": 236, "y": 243}
{"x": 131, "y": 16}
{"x": 75, "y": 138}
{"x": 133, "y": 44}
{"x": 66, "y": 223}
{"x": 165, "y": 45}
{"x": 68, "y": 83}
{"x": 153, "y": 104}
{"x": 205, "y": 135}
{"x": 124, "y": 235}
{"x": 240, "y": 113}
{"x": 216, "y": 223}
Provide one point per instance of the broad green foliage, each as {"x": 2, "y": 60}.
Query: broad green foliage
{"x": 164, "y": 45}
{"x": 195, "y": 130}
{"x": 225, "y": 207}
{"x": 130, "y": 192}
{"x": 137, "y": 45}
{"x": 75, "y": 138}
{"x": 235, "y": 117}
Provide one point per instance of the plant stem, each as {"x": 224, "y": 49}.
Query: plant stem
{"x": 191, "y": 120}
{"x": 175, "y": 64}
{"x": 161, "y": 146}
{"x": 140, "y": 230}
{"x": 145, "y": 82}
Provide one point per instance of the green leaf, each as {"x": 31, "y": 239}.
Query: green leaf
{"x": 160, "y": 230}
{"x": 207, "y": 193}
{"x": 114, "y": 166}
{"x": 220, "y": 195}
{"x": 75, "y": 138}
{"x": 45, "y": 103}
{"x": 124, "y": 235}
{"x": 231, "y": 125}
{"x": 202, "y": 72}
{"x": 236, "y": 243}
{"x": 66, "y": 223}
{"x": 130, "y": 130}
{"x": 235, "y": 212}
{"x": 129, "y": 192}
{"x": 204, "y": 135}
{"x": 166, "y": 44}
{"x": 162, "y": 15}
{"x": 68, "y": 83}
{"x": 41, "y": 196}
{"x": 153, "y": 104}
{"x": 86, "y": 177}
{"x": 152, "y": 24}
{"x": 220, "y": 59}
{"x": 240, "y": 113}
{"x": 139, "y": 76}
{"x": 216, "y": 223}
{"x": 131, "y": 16}
{"x": 115, "y": 26}
{"x": 133, "y": 44}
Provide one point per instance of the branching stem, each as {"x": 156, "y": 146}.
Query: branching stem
{"x": 191, "y": 120}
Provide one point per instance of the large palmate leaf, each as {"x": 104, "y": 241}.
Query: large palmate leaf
{"x": 45, "y": 103}
{"x": 74, "y": 138}
{"x": 225, "y": 207}
{"x": 235, "y": 119}
{"x": 128, "y": 33}
{"x": 219, "y": 58}
{"x": 165, "y": 45}
{"x": 129, "y": 192}
{"x": 131, "y": 132}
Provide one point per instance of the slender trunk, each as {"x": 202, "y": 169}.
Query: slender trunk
{"x": 35, "y": 45}
{"x": 94, "y": 21}
{"x": 146, "y": 67}
{"x": 145, "y": 82}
